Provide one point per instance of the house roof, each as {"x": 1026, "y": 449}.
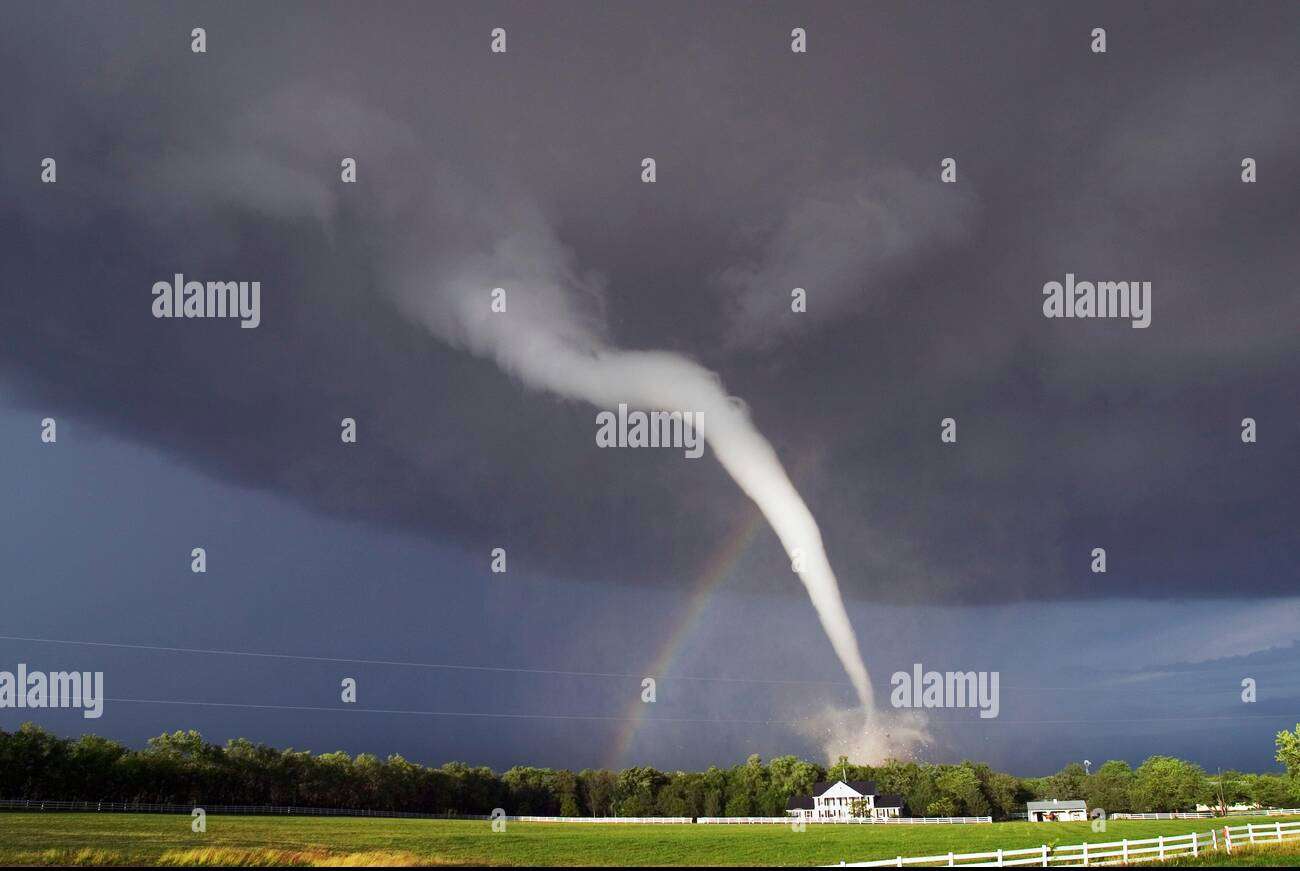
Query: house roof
{"x": 861, "y": 787}
{"x": 887, "y": 800}
{"x": 799, "y": 803}
{"x": 1057, "y": 805}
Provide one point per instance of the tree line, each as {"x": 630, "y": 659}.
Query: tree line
{"x": 181, "y": 768}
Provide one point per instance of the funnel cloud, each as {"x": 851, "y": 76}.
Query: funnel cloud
{"x": 545, "y": 345}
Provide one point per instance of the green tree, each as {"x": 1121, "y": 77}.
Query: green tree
{"x": 1006, "y": 793}
{"x": 1163, "y": 783}
{"x": 960, "y": 785}
{"x": 673, "y": 799}
{"x": 746, "y": 785}
{"x": 598, "y": 789}
{"x": 563, "y": 786}
{"x": 1068, "y": 784}
{"x": 1111, "y": 788}
{"x": 98, "y": 762}
{"x": 529, "y": 791}
{"x": 1269, "y": 790}
{"x": 715, "y": 792}
{"x": 943, "y": 807}
{"x": 475, "y": 790}
{"x": 1233, "y": 786}
{"x": 912, "y": 780}
{"x": 787, "y": 776}
{"x": 636, "y": 791}
{"x": 329, "y": 780}
{"x": 1288, "y": 751}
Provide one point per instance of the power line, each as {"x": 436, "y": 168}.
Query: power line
{"x": 467, "y": 714}
{"x": 543, "y": 671}
{"x": 408, "y": 664}
{"x": 650, "y": 720}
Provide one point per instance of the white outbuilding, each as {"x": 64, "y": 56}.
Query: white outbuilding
{"x": 1056, "y": 811}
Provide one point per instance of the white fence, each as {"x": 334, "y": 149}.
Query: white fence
{"x": 263, "y": 810}
{"x": 51, "y": 806}
{"x": 247, "y": 810}
{"x": 842, "y": 821}
{"x": 1206, "y": 815}
{"x": 668, "y": 821}
{"x": 1267, "y": 812}
{"x": 750, "y": 821}
{"x": 1123, "y": 852}
{"x": 1177, "y": 815}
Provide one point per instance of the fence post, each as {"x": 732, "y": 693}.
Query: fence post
{"x": 1250, "y": 830}
{"x": 1227, "y": 839}
{"x": 900, "y": 861}
{"x": 950, "y": 859}
{"x": 1085, "y": 852}
{"x": 1125, "y": 851}
{"x": 1279, "y": 830}
{"x": 1195, "y": 849}
{"x": 1044, "y": 855}
{"x": 999, "y": 857}
{"x": 1162, "y": 846}
{"x": 1214, "y": 837}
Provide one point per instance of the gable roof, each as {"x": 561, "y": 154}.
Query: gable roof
{"x": 799, "y": 803}
{"x": 861, "y": 787}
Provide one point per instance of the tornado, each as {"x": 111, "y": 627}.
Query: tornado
{"x": 665, "y": 381}
{"x": 548, "y": 333}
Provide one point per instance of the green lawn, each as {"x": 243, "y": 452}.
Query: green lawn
{"x": 56, "y": 838}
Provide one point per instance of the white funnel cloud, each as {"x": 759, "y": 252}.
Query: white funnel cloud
{"x": 451, "y": 243}
{"x": 544, "y": 339}
{"x": 662, "y": 381}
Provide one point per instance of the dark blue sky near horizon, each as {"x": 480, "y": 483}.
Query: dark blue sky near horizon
{"x": 1123, "y": 678}
{"x": 775, "y": 170}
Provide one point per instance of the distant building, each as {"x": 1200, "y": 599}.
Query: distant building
{"x": 1056, "y": 811}
{"x": 842, "y": 799}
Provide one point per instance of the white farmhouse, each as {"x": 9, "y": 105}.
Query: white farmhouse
{"x": 1056, "y": 811}
{"x": 843, "y": 799}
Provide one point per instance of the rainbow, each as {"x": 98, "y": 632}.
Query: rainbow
{"x": 716, "y": 570}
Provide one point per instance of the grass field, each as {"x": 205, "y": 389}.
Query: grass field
{"x": 1263, "y": 856}
{"x": 108, "y": 839}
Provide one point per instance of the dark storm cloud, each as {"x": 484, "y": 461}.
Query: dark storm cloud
{"x": 775, "y": 170}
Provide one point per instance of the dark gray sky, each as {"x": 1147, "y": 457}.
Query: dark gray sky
{"x": 775, "y": 170}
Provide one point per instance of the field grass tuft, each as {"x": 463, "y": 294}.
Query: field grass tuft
{"x": 233, "y": 857}
{"x": 1285, "y": 855}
